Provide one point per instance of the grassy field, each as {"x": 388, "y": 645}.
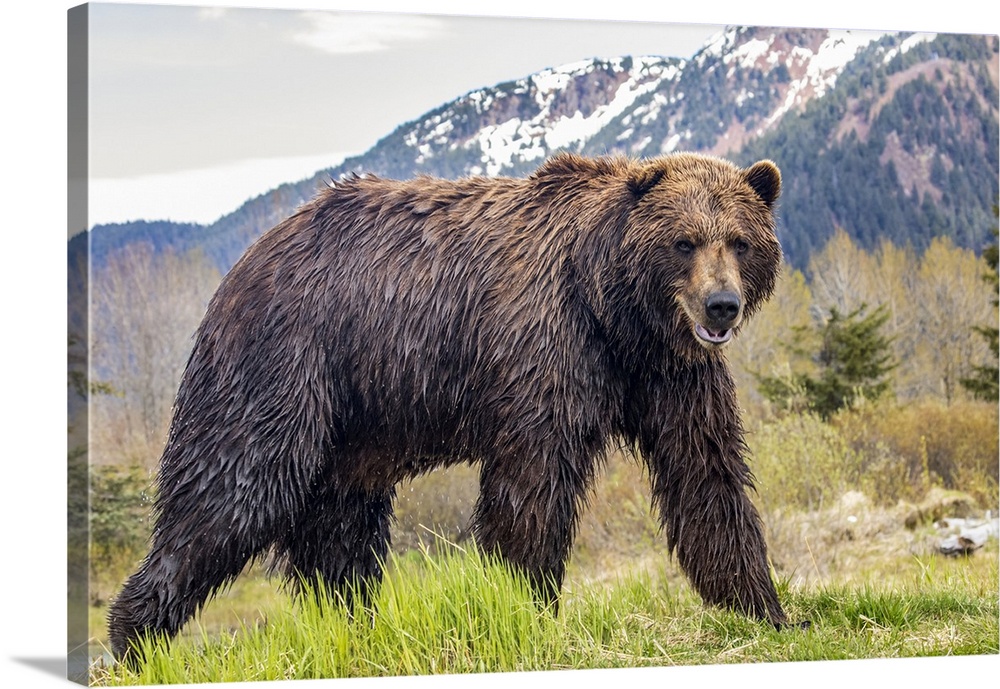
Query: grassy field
{"x": 451, "y": 612}
{"x": 838, "y": 501}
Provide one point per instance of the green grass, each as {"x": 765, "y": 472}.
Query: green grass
{"x": 454, "y": 612}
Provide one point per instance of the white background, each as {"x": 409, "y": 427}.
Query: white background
{"x": 33, "y": 121}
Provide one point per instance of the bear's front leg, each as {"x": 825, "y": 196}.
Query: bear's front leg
{"x": 692, "y": 440}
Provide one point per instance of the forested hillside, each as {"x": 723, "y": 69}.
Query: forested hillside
{"x": 903, "y": 149}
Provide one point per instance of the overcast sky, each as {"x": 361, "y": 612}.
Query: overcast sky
{"x": 179, "y": 87}
{"x": 195, "y": 109}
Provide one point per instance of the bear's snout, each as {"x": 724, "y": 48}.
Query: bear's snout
{"x": 722, "y": 309}
{"x": 721, "y": 312}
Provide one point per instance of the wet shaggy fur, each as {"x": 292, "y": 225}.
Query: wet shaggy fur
{"x": 391, "y": 327}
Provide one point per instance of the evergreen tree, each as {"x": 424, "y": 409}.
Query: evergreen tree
{"x": 854, "y": 361}
{"x": 985, "y": 381}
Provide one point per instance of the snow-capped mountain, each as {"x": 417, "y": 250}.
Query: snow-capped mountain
{"x": 556, "y": 109}
{"x": 738, "y": 86}
{"x": 884, "y": 134}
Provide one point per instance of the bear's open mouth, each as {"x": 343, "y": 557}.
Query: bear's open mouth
{"x": 712, "y": 336}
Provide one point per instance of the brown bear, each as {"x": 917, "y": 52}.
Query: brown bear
{"x": 391, "y": 327}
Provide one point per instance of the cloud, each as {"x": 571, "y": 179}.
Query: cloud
{"x": 212, "y": 13}
{"x": 343, "y": 33}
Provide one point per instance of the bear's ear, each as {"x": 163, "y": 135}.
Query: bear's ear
{"x": 643, "y": 179}
{"x": 765, "y": 179}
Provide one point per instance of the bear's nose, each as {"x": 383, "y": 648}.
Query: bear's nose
{"x": 723, "y": 308}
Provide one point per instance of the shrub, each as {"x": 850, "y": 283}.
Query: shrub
{"x": 955, "y": 447}
{"x": 802, "y": 462}
{"x": 617, "y": 519}
{"x": 440, "y": 503}
{"x": 888, "y": 452}
{"x": 119, "y": 507}
{"x": 119, "y": 515}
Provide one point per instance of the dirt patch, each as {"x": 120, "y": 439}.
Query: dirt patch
{"x": 852, "y": 541}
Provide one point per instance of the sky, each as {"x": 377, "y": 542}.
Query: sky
{"x": 33, "y": 184}
{"x": 195, "y": 109}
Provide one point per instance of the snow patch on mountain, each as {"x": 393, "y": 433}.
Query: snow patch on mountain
{"x": 817, "y": 71}
{"x": 577, "y": 129}
{"x": 747, "y": 55}
{"x": 907, "y": 44}
{"x": 550, "y": 81}
{"x": 524, "y": 140}
{"x": 839, "y": 48}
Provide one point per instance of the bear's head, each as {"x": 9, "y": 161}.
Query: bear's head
{"x": 700, "y": 247}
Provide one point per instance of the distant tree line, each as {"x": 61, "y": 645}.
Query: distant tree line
{"x": 867, "y": 324}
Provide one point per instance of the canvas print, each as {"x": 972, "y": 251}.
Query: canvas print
{"x": 394, "y": 351}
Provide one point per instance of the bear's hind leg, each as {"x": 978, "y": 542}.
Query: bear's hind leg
{"x": 188, "y": 562}
{"x": 527, "y": 514}
{"x": 341, "y": 540}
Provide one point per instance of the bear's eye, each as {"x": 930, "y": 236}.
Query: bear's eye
{"x": 683, "y": 246}
{"x": 741, "y": 246}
